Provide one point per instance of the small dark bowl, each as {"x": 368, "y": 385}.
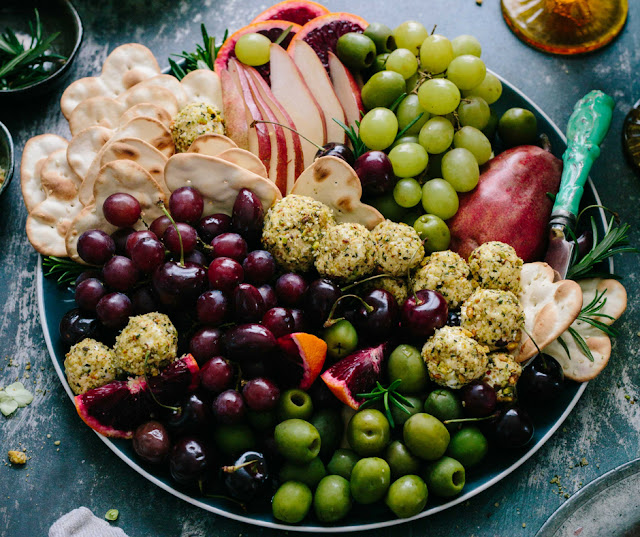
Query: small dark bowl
{"x": 7, "y": 156}
{"x": 55, "y": 16}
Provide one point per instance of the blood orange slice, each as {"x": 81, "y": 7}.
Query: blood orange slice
{"x": 322, "y": 33}
{"x": 302, "y": 356}
{"x": 298, "y": 11}
{"x": 272, "y": 29}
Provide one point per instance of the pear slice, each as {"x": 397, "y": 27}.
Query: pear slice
{"x": 346, "y": 89}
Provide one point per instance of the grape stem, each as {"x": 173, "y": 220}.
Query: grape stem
{"x": 153, "y": 395}
{"x": 365, "y": 280}
{"x": 469, "y": 420}
{"x": 235, "y": 468}
{"x": 331, "y": 321}
{"x": 256, "y": 121}
{"x": 175, "y": 226}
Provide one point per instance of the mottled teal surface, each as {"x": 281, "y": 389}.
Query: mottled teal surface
{"x": 602, "y": 432}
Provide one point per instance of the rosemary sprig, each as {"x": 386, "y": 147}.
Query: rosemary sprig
{"x": 64, "y": 270}
{"x": 613, "y": 242}
{"x": 389, "y": 397}
{"x": 354, "y": 137}
{"x": 203, "y": 58}
{"x": 22, "y": 65}
{"x": 590, "y": 314}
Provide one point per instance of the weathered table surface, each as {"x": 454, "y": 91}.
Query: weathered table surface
{"x": 601, "y": 433}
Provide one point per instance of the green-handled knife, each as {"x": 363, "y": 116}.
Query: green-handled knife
{"x": 587, "y": 127}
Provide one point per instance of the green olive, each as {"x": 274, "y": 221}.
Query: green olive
{"x": 291, "y": 502}
{"x": 518, "y": 126}
{"x": 468, "y": 446}
{"x": 356, "y": 51}
{"x": 407, "y": 496}
{"x": 445, "y": 477}
{"x": 382, "y": 36}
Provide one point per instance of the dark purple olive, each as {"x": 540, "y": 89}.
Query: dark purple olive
{"x": 333, "y": 149}
{"x": 375, "y": 172}
{"x": 247, "y": 215}
{"x": 249, "y": 341}
{"x": 151, "y": 442}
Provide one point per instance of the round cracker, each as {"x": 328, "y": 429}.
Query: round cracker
{"x": 147, "y": 110}
{"x": 245, "y": 159}
{"x": 170, "y": 83}
{"x": 34, "y": 154}
{"x": 211, "y": 144}
{"x": 85, "y": 146}
{"x": 203, "y": 86}
{"x": 218, "y": 181}
{"x": 58, "y": 179}
{"x": 96, "y": 111}
{"x": 333, "y": 182}
{"x": 144, "y": 93}
{"x": 49, "y": 222}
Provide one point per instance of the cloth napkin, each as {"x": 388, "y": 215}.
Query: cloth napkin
{"x": 82, "y": 522}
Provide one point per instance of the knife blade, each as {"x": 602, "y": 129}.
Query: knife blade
{"x": 586, "y": 129}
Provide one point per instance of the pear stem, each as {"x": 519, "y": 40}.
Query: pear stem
{"x": 255, "y": 121}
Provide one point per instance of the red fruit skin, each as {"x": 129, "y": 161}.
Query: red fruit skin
{"x": 510, "y": 203}
{"x": 298, "y": 11}
{"x": 354, "y": 374}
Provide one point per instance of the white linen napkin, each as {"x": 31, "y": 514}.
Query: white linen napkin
{"x": 81, "y": 522}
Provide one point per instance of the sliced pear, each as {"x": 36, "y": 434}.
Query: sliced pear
{"x": 235, "y": 117}
{"x": 346, "y": 89}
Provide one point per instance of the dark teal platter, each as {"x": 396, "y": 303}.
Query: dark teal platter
{"x": 54, "y": 302}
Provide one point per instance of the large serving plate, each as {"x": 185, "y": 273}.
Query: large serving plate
{"x": 54, "y": 302}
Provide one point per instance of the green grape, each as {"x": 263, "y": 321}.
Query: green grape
{"x": 412, "y": 82}
{"x": 490, "y": 89}
{"x": 407, "y": 192}
{"x": 406, "y": 139}
{"x": 388, "y": 207}
{"x": 466, "y": 71}
{"x": 402, "y": 61}
{"x": 410, "y": 34}
{"x": 378, "y": 128}
{"x": 434, "y": 231}
{"x": 253, "y": 49}
{"x": 408, "y": 160}
{"x": 382, "y": 89}
{"x": 466, "y": 44}
{"x": 436, "y": 53}
{"x": 474, "y": 112}
{"x": 437, "y": 135}
{"x": 475, "y": 141}
{"x": 490, "y": 130}
{"x": 407, "y": 111}
{"x": 440, "y": 198}
{"x": 460, "y": 168}
{"x": 439, "y": 96}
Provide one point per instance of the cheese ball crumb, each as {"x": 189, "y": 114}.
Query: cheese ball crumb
{"x": 346, "y": 253}
{"x": 293, "y": 229}
{"x": 454, "y": 358}
{"x": 151, "y": 333}
{"x": 496, "y": 265}
{"x": 398, "y": 248}
{"x": 447, "y": 273}
{"x": 502, "y": 374}
{"x": 494, "y": 318}
{"x": 194, "y": 120}
{"x": 17, "y": 457}
{"x": 89, "y": 364}
{"x": 396, "y": 286}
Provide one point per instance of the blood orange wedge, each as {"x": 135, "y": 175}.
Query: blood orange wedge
{"x": 298, "y": 11}
{"x": 117, "y": 408}
{"x": 302, "y": 357}
{"x": 355, "y": 374}
{"x": 322, "y": 33}
{"x": 272, "y": 29}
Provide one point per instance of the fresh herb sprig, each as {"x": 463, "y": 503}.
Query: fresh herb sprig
{"x": 354, "y": 137}
{"x": 614, "y": 241}
{"x": 389, "y": 397}
{"x": 22, "y": 65}
{"x": 203, "y": 58}
{"x": 64, "y": 270}
{"x": 592, "y": 315}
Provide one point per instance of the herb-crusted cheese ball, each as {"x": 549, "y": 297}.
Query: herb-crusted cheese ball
{"x": 194, "y": 120}
{"x": 447, "y": 273}
{"x": 495, "y": 265}
{"x": 151, "y": 333}
{"x": 494, "y": 318}
{"x": 454, "y": 358}
{"x": 396, "y": 286}
{"x": 398, "y": 248}
{"x": 503, "y": 374}
{"x": 346, "y": 253}
{"x": 293, "y": 229}
{"x": 89, "y": 364}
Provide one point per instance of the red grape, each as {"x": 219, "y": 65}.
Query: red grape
{"x": 259, "y": 267}
{"x": 120, "y": 237}
{"x": 144, "y": 301}
{"x": 478, "y": 399}
{"x": 229, "y": 407}
{"x": 151, "y": 442}
{"x": 147, "y": 254}
{"x": 188, "y": 235}
{"x": 247, "y": 215}
{"x": 268, "y": 296}
{"x": 216, "y": 375}
{"x": 260, "y": 394}
{"x": 186, "y": 204}
{"x": 375, "y": 172}
{"x": 248, "y": 305}
{"x": 205, "y": 343}
{"x": 120, "y": 273}
{"x": 212, "y": 307}
{"x": 96, "y": 247}
{"x": 88, "y": 293}
{"x": 280, "y": 321}
{"x": 225, "y": 274}
{"x": 211, "y": 226}
{"x": 114, "y": 310}
{"x": 291, "y": 289}
{"x": 137, "y": 236}
{"x": 229, "y": 245}
{"x": 121, "y": 209}
{"x": 423, "y": 313}
{"x": 160, "y": 225}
